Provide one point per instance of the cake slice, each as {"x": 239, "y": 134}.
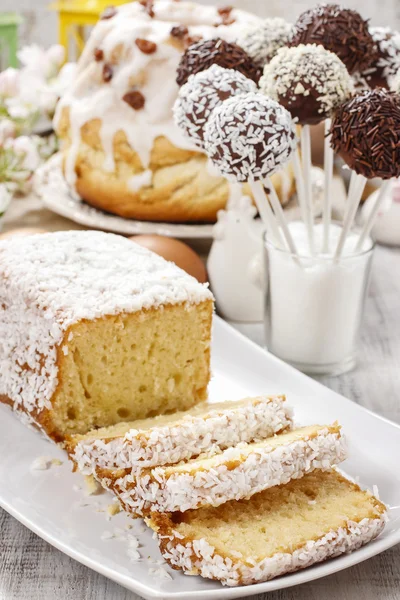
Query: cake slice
{"x": 236, "y": 473}
{"x": 180, "y": 436}
{"x": 95, "y": 330}
{"x": 278, "y": 531}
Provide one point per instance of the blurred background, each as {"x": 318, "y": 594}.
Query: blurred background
{"x": 40, "y": 25}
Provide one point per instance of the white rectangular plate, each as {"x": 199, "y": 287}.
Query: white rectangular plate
{"x": 49, "y": 503}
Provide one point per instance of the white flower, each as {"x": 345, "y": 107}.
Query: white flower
{"x": 56, "y": 55}
{"x": 7, "y": 130}
{"x": 26, "y": 147}
{"x": 5, "y": 198}
{"x": 48, "y": 99}
{"x": 9, "y": 82}
{"x": 18, "y": 110}
{"x": 44, "y": 63}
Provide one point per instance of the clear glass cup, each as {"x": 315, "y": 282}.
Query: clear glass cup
{"x": 314, "y": 308}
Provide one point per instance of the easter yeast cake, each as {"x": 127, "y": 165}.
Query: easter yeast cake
{"x": 122, "y": 151}
{"x": 96, "y": 330}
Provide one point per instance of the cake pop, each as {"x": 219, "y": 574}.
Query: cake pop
{"x": 200, "y": 56}
{"x": 202, "y": 93}
{"x": 366, "y": 133}
{"x": 261, "y": 41}
{"x": 395, "y": 84}
{"x": 249, "y": 137}
{"x": 339, "y": 30}
{"x": 387, "y": 63}
{"x": 309, "y": 81}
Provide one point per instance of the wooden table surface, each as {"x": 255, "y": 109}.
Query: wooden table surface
{"x": 31, "y": 569}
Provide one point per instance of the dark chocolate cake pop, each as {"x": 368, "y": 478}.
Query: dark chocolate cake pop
{"x": 249, "y": 137}
{"x": 309, "y": 81}
{"x": 366, "y": 133}
{"x": 262, "y": 40}
{"x": 387, "y": 63}
{"x": 339, "y": 30}
{"x": 200, "y": 56}
{"x": 202, "y": 93}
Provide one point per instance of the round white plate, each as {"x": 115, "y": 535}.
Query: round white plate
{"x": 51, "y": 186}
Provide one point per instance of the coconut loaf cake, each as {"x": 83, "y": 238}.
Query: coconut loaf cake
{"x": 168, "y": 439}
{"x": 96, "y": 330}
{"x": 278, "y": 531}
{"x": 237, "y": 472}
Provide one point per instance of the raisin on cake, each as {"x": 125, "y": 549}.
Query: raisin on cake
{"x": 96, "y": 330}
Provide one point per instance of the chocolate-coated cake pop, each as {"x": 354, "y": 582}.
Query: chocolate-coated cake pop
{"x": 387, "y": 63}
{"x": 309, "y": 81}
{"x": 200, "y": 56}
{"x": 366, "y": 133}
{"x": 202, "y": 93}
{"x": 249, "y": 137}
{"x": 339, "y": 30}
{"x": 261, "y": 41}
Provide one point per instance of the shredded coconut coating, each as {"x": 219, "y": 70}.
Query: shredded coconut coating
{"x": 190, "y": 437}
{"x": 49, "y": 282}
{"x": 388, "y": 42}
{"x": 249, "y": 137}
{"x": 262, "y": 41}
{"x": 212, "y": 485}
{"x": 202, "y": 93}
{"x": 198, "y": 557}
{"x": 395, "y": 84}
{"x": 297, "y": 75}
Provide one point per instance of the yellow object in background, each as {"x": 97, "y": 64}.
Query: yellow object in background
{"x": 74, "y": 17}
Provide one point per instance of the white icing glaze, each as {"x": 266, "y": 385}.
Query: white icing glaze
{"x": 142, "y": 180}
{"x": 49, "y": 282}
{"x": 217, "y": 482}
{"x": 199, "y": 557}
{"x": 218, "y": 429}
{"x": 154, "y": 74}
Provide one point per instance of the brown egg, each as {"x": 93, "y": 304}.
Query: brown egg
{"x": 21, "y": 232}
{"x": 175, "y": 251}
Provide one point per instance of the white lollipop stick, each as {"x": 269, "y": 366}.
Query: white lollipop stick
{"x": 306, "y": 159}
{"x": 265, "y": 210}
{"x": 353, "y": 202}
{"x": 235, "y": 194}
{"x": 368, "y": 225}
{"x": 328, "y": 170}
{"x": 278, "y": 210}
{"x": 301, "y": 193}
